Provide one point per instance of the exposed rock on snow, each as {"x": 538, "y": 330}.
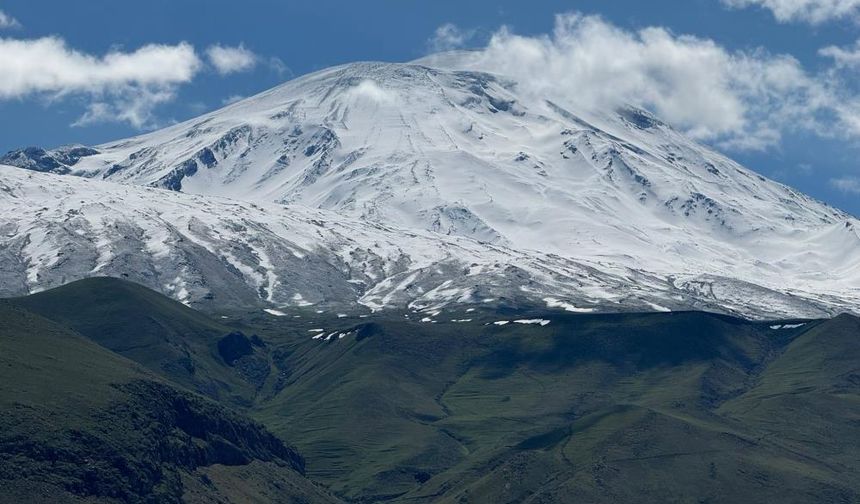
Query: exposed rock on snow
{"x": 406, "y": 185}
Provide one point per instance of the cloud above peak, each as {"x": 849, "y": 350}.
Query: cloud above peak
{"x": 735, "y": 99}
{"x": 228, "y": 60}
{"x": 810, "y": 11}
{"x": 448, "y": 37}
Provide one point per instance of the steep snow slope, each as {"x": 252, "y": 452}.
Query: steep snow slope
{"x": 469, "y": 154}
{"x": 225, "y": 253}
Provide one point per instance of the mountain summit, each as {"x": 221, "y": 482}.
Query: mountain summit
{"x": 587, "y": 210}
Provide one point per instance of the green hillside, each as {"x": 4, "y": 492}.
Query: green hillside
{"x": 82, "y": 424}
{"x": 660, "y": 407}
{"x": 614, "y": 408}
{"x": 161, "y": 334}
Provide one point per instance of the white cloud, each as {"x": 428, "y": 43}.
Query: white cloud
{"x": 846, "y": 184}
{"x": 121, "y": 86}
{"x": 739, "y": 100}
{"x": 843, "y": 57}
{"x": 278, "y": 66}
{"x": 370, "y": 90}
{"x": 809, "y": 11}
{"x": 227, "y": 60}
{"x": 135, "y": 107}
{"x": 7, "y": 21}
{"x": 48, "y": 65}
{"x": 448, "y": 37}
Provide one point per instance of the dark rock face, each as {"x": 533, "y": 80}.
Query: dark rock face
{"x": 254, "y": 369}
{"x": 363, "y": 331}
{"x": 54, "y": 161}
{"x": 324, "y": 140}
{"x": 205, "y": 433}
{"x": 638, "y": 118}
{"x": 207, "y": 157}
{"x": 33, "y": 158}
{"x": 234, "y": 346}
{"x": 142, "y": 445}
{"x": 173, "y": 180}
{"x": 74, "y": 154}
{"x": 187, "y": 168}
{"x": 237, "y": 351}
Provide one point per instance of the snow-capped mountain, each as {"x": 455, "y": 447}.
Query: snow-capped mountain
{"x": 225, "y": 253}
{"x": 602, "y": 209}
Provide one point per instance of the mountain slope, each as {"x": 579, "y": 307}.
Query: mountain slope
{"x": 473, "y": 155}
{"x": 818, "y": 380}
{"x": 81, "y": 424}
{"x": 484, "y": 405}
{"x": 234, "y": 255}
{"x": 675, "y": 407}
{"x": 159, "y": 333}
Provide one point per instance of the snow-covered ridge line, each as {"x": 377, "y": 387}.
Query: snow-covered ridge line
{"x": 222, "y": 253}
{"x": 404, "y": 184}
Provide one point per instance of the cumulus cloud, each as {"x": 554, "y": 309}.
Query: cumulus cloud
{"x": 809, "y": 11}
{"x": 7, "y": 21}
{"x": 846, "y": 184}
{"x": 122, "y": 86}
{"x": 739, "y": 100}
{"x": 48, "y": 65}
{"x": 227, "y": 60}
{"x": 448, "y": 37}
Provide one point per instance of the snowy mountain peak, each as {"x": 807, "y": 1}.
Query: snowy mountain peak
{"x": 469, "y": 154}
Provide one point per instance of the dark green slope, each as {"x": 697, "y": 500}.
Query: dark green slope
{"x": 161, "y": 334}
{"x": 614, "y": 408}
{"x": 82, "y": 424}
{"x": 810, "y": 396}
{"x": 668, "y": 407}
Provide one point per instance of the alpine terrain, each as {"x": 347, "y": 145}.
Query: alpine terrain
{"x": 421, "y": 283}
{"x": 395, "y": 185}
{"x": 481, "y": 406}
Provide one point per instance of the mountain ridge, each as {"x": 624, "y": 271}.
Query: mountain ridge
{"x": 470, "y": 155}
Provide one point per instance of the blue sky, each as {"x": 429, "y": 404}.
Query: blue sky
{"x": 290, "y": 38}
